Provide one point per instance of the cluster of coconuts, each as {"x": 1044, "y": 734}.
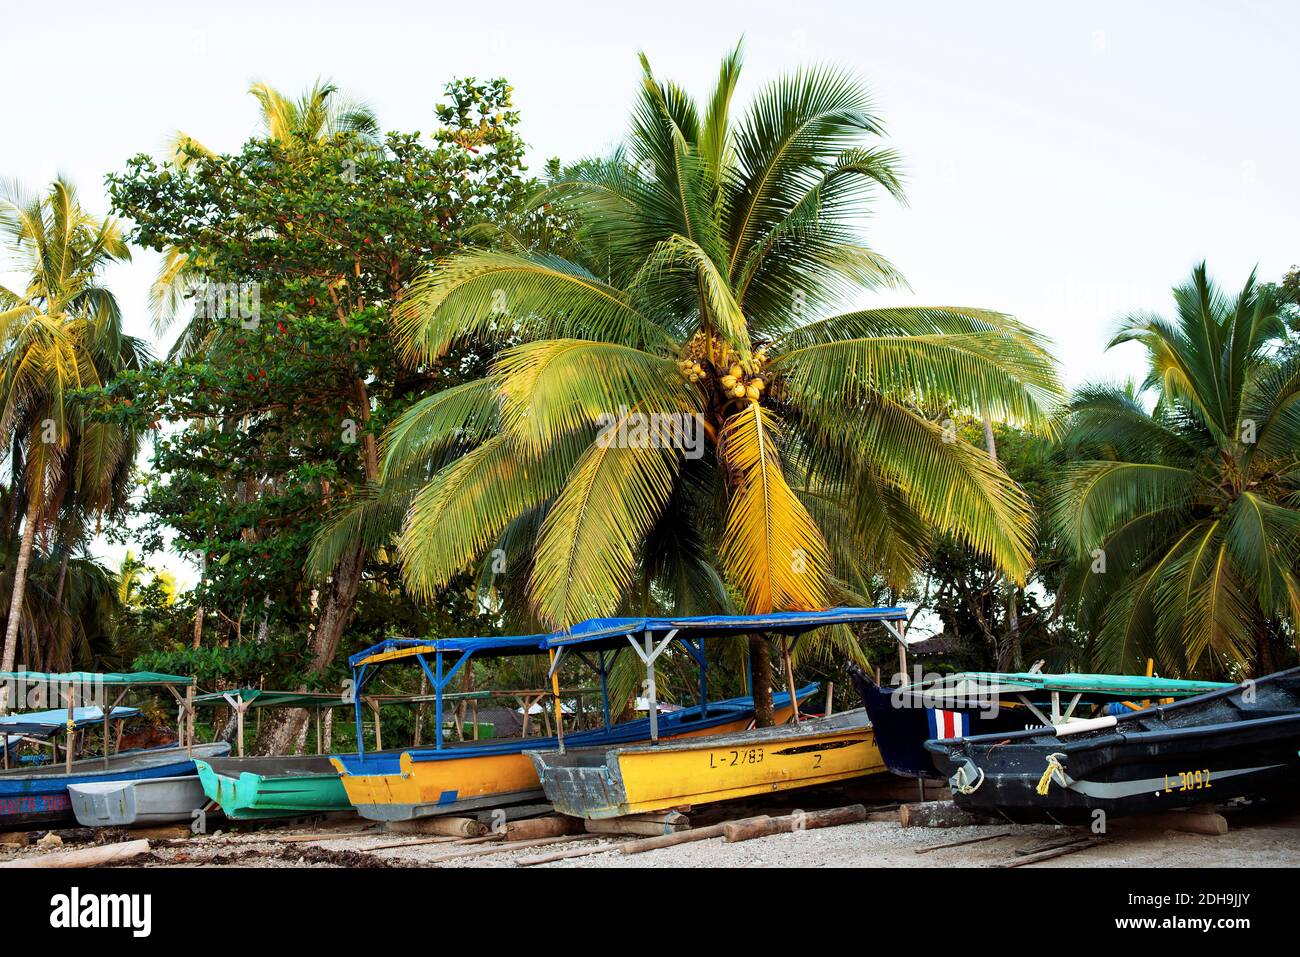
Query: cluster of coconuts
{"x": 735, "y": 383}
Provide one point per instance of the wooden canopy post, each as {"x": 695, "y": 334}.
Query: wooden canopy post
{"x": 789, "y": 676}
{"x": 189, "y": 719}
{"x": 320, "y": 745}
{"x": 555, "y": 694}
{"x": 72, "y": 721}
{"x": 107, "y": 712}
{"x": 379, "y": 734}
{"x": 240, "y": 709}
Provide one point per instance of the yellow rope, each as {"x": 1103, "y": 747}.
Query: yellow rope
{"x": 1054, "y": 770}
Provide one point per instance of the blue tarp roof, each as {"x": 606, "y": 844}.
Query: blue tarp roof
{"x": 613, "y": 631}
{"x": 407, "y": 647}
{"x": 41, "y": 723}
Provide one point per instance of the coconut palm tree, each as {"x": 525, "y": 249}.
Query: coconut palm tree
{"x": 705, "y": 253}
{"x": 59, "y": 334}
{"x": 320, "y": 113}
{"x": 1185, "y": 516}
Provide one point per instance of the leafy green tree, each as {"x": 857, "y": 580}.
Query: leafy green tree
{"x": 1181, "y": 503}
{"x": 309, "y": 250}
{"x": 705, "y": 253}
{"x": 61, "y": 333}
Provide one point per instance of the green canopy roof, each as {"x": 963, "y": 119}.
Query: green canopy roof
{"x": 259, "y": 698}
{"x": 121, "y": 678}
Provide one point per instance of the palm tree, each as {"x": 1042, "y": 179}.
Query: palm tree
{"x": 702, "y": 250}
{"x": 1185, "y": 517}
{"x": 318, "y": 114}
{"x": 61, "y": 333}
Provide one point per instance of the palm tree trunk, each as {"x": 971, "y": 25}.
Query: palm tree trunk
{"x": 1008, "y": 652}
{"x": 16, "y": 601}
{"x": 760, "y": 666}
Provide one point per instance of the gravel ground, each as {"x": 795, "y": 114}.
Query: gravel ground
{"x": 1271, "y": 841}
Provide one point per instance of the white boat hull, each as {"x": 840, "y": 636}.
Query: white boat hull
{"x": 136, "y": 803}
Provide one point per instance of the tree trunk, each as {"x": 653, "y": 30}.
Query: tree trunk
{"x": 760, "y": 666}
{"x": 336, "y": 613}
{"x": 1008, "y": 652}
{"x": 16, "y": 600}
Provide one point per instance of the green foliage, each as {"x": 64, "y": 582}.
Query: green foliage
{"x": 1183, "y": 516}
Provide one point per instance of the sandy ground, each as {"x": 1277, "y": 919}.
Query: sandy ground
{"x": 1254, "y": 839}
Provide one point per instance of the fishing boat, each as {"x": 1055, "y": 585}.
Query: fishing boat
{"x": 1242, "y": 740}
{"x": 39, "y": 796}
{"x": 606, "y": 782}
{"x": 267, "y": 787}
{"x": 256, "y": 788}
{"x": 40, "y": 727}
{"x": 137, "y": 802}
{"x": 967, "y": 704}
{"x": 455, "y": 776}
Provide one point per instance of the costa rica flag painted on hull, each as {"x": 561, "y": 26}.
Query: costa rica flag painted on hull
{"x": 948, "y": 724}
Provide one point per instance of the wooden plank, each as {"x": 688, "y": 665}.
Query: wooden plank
{"x": 565, "y": 855}
{"x": 506, "y": 846}
{"x": 670, "y": 840}
{"x": 969, "y": 840}
{"x": 1080, "y": 845}
{"x": 86, "y": 856}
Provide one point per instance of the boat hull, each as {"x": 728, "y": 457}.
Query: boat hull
{"x": 427, "y": 783}
{"x": 39, "y": 798}
{"x": 260, "y": 788}
{"x": 598, "y": 783}
{"x": 137, "y": 803}
{"x": 1198, "y": 751}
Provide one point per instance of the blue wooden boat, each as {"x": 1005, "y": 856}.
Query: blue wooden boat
{"x": 1243, "y": 740}
{"x": 31, "y": 798}
{"x": 973, "y": 703}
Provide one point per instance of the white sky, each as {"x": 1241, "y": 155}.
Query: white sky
{"x": 1064, "y": 165}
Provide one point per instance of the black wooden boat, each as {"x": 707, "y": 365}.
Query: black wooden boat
{"x": 1241, "y": 741}
{"x": 967, "y": 704}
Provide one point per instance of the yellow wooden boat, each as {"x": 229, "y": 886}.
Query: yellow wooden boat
{"x": 492, "y": 773}
{"x": 456, "y": 776}
{"x": 611, "y": 782}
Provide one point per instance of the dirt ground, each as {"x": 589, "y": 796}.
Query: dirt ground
{"x": 1255, "y": 838}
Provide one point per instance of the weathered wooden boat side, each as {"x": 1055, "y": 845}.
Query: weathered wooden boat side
{"x": 467, "y": 775}
{"x": 1240, "y": 741}
{"x": 611, "y": 782}
{"x": 40, "y": 796}
{"x": 269, "y": 787}
{"x": 137, "y": 803}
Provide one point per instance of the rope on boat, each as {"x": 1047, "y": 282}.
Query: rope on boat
{"x": 963, "y": 778}
{"x": 1055, "y": 772}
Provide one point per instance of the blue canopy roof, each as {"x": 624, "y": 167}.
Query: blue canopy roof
{"x": 613, "y": 632}
{"x": 42, "y": 723}
{"x": 392, "y": 648}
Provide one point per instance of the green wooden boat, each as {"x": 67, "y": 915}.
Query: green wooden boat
{"x": 266, "y": 787}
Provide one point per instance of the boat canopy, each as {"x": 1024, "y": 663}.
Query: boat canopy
{"x": 1123, "y": 686}
{"x": 121, "y": 679}
{"x": 260, "y": 698}
{"x": 44, "y": 723}
{"x": 648, "y": 638}
{"x": 392, "y": 649}
{"x": 613, "y": 632}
